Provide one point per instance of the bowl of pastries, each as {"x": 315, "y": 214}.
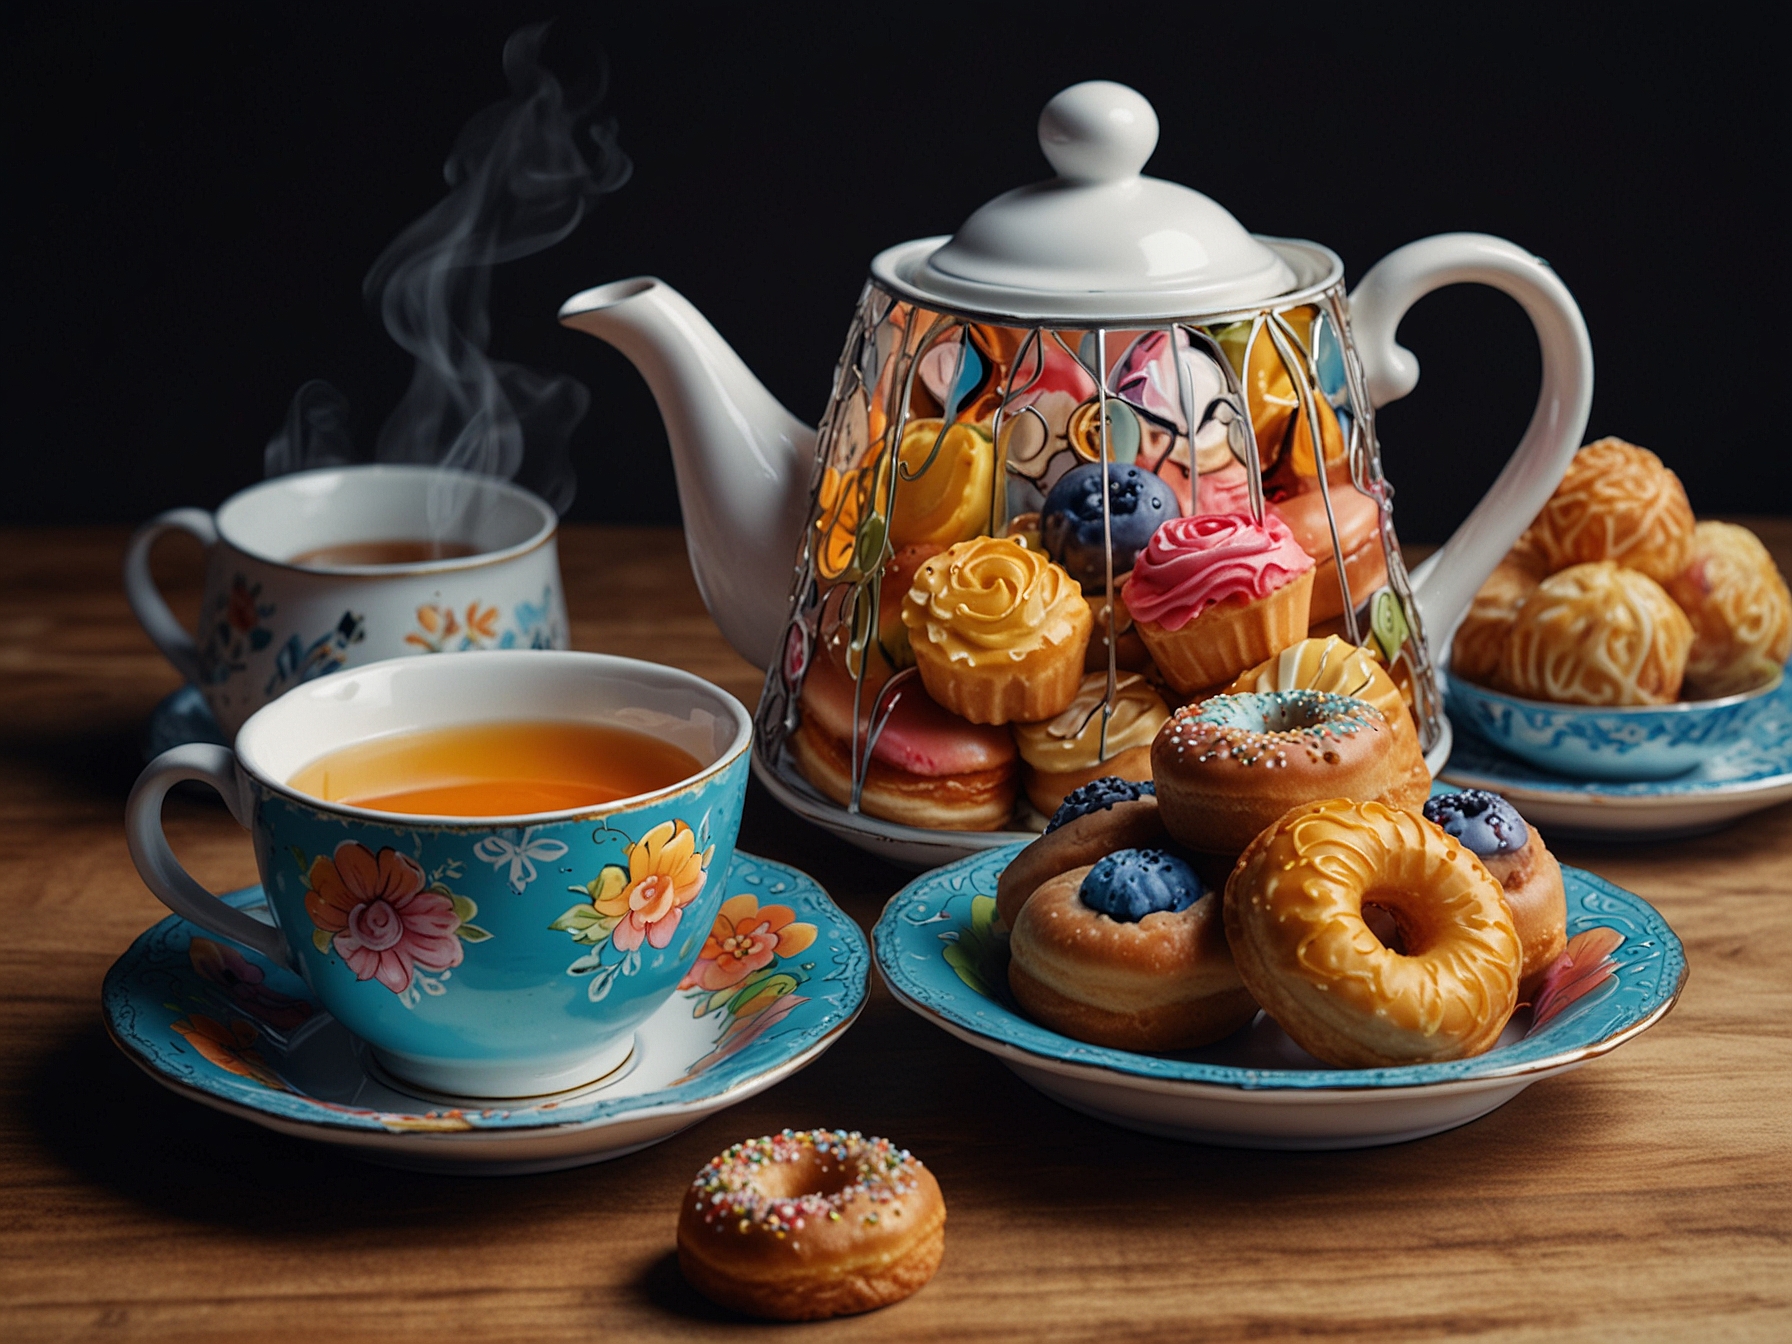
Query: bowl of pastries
{"x": 1621, "y": 638}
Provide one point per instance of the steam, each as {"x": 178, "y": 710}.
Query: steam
{"x": 521, "y": 176}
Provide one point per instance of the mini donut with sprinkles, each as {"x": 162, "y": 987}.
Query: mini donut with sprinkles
{"x": 1229, "y": 767}
{"x": 808, "y": 1224}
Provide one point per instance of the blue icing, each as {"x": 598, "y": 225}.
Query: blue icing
{"x": 1286, "y": 711}
{"x": 1485, "y": 822}
{"x": 1097, "y": 796}
{"x": 1129, "y": 884}
{"x": 1070, "y": 519}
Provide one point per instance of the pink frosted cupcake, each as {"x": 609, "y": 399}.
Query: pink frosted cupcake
{"x": 1218, "y": 593}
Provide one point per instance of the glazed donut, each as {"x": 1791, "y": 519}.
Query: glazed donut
{"x": 1093, "y": 821}
{"x": 1129, "y": 953}
{"x": 927, "y": 768}
{"x": 1597, "y": 634}
{"x": 1294, "y": 920}
{"x": 1228, "y": 767}
{"x": 1065, "y": 752}
{"x": 1481, "y": 638}
{"x": 802, "y": 1225}
{"x": 1335, "y": 665}
{"x": 1619, "y": 503}
{"x": 1514, "y": 855}
{"x": 1359, "y": 533}
{"x": 1740, "y": 611}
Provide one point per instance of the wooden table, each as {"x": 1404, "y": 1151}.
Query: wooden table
{"x": 1648, "y": 1196}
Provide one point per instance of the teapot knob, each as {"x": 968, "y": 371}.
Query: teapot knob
{"x": 1098, "y": 131}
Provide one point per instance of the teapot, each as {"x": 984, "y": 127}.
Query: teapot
{"x": 1102, "y": 320}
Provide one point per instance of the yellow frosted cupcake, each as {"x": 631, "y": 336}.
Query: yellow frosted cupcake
{"x": 998, "y": 631}
{"x": 1068, "y": 751}
{"x": 945, "y": 488}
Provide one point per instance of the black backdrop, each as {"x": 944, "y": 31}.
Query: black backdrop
{"x": 194, "y": 194}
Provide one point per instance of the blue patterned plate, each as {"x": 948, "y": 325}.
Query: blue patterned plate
{"x": 943, "y": 954}
{"x": 1750, "y": 774}
{"x": 217, "y": 1023}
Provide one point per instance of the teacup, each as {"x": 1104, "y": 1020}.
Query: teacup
{"x": 269, "y": 622}
{"x": 479, "y": 957}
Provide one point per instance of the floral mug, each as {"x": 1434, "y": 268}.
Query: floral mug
{"x": 270, "y": 621}
{"x": 476, "y": 957}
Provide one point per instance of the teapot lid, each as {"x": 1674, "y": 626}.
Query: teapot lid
{"x": 1100, "y": 240}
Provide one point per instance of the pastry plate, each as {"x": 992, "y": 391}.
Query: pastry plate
{"x": 217, "y": 1023}
{"x": 944, "y": 955}
{"x": 1746, "y": 776}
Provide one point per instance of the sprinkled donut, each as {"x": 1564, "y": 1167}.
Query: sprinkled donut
{"x": 1228, "y": 767}
{"x": 812, "y": 1223}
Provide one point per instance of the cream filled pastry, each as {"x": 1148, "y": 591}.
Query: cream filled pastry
{"x": 998, "y": 631}
{"x": 1216, "y": 593}
{"x": 1072, "y": 749}
{"x": 1597, "y": 634}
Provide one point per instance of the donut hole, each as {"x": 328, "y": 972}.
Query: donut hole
{"x": 1391, "y": 917}
{"x": 791, "y": 1180}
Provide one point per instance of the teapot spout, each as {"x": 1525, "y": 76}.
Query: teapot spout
{"x": 740, "y": 458}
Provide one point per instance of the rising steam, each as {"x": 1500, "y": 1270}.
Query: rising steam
{"x": 520, "y": 178}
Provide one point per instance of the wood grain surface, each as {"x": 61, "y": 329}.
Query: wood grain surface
{"x": 1645, "y": 1197}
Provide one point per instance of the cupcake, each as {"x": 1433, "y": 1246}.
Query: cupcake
{"x": 1217, "y": 593}
{"x": 1064, "y": 753}
{"x": 998, "y": 631}
{"x": 1071, "y": 528}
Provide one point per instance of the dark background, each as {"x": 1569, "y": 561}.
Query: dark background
{"x": 193, "y": 196}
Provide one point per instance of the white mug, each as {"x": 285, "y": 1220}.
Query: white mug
{"x": 268, "y": 623}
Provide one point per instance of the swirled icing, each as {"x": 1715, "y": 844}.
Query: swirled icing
{"x": 1073, "y": 739}
{"x": 1192, "y": 563}
{"x": 991, "y": 600}
{"x": 1597, "y": 634}
{"x": 1329, "y": 664}
{"x": 943, "y": 489}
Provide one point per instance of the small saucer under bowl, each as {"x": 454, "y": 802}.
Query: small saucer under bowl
{"x": 1607, "y": 742}
{"x": 224, "y": 1026}
{"x": 943, "y": 953}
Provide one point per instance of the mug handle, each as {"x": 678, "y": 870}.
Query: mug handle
{"x": 1445, "y": 585}
{"x": 152, "y": 613}
{"x": 161, "y": 871}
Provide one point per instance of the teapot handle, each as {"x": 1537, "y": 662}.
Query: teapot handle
{"x": 1445, "y": 585}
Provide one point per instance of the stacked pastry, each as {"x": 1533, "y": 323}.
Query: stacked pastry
{"x": 1617, "y": 596}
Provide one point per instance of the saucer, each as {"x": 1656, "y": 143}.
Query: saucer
{"x": 1746, "y": 776}
{"x": 218, "y": 1023}
{"x": 944, "y": 955}
{"x": 179, "y": 718}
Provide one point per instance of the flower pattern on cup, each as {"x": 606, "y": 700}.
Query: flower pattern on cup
{"x": 235, "y": 627}
{"x": 640, "y": 903}
{"x": 298, "y": 661}
{"x": 244, "y": 983}
{"x": 744, "y": 976}
{"x": 385, "y": 918}
{"x": 441, "y": 629}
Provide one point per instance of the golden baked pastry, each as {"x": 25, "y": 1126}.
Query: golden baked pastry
{"x": 943, "y": 492}
{"x": 1740, "y": 611}
{"x": 1065, "y": 752}
{"x": 998, "y": 631}
{"x": 1339, "y": 667}
{"x": 1617, "y": 502}
{"x": 1475, "y": 650}
{"x": 1597, "y": 634}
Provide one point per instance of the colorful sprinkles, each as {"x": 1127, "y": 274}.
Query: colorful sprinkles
{"x": 728, "y": 1192}
{"x": 1261, "y": 728}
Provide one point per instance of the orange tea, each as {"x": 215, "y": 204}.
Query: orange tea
{"x": 382, "y": 553}
{"x": 496, "y": 769}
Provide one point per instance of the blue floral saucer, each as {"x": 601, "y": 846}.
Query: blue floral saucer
{"x": 1751, "y": 773}
{"x": 179, "y": 718}
{"x": 217, "y": 1023}
{"x": 944, "y": 954}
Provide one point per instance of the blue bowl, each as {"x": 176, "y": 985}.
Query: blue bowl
{"x": 1606, "y": 742}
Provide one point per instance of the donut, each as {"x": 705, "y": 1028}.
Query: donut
{"x": 1066, "y": 752}
{"x": 1617, "y": 502}
{"x": 1071, "y": 526}
{"x": 1596, "y": 634}
{"x": 1294, "y": 922}
{"x": 806, "y": 1224}
{"x": 1095, "y": 820}
{"x": 1228, "y": 767}
{"x": 1359, "y": 534}
{"x": 1481, "y": 638}
{"x": 1514, "y": 855}
{"x": 944, "y": 490}
{"x": 998, "y": 631}
{"x": 1335, "y": 665}
{"x": 1740, "y": 611}
{"x": 1128, "y": 953}
{"x": 1216, "y": 593}
{"x": 927, "y": 767}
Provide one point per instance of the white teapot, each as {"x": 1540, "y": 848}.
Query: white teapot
{"x": 1100, "y": 317}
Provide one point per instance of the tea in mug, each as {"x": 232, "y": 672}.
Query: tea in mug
{"x": 400, "y": 552}
{"x": 496, "y": 769}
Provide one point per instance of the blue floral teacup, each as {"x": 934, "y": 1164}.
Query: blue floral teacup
{"x": 480, "y": 957}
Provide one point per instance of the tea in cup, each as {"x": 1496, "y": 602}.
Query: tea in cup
{"x": 343, "y": 566}
{"x": 491, "y": 869}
